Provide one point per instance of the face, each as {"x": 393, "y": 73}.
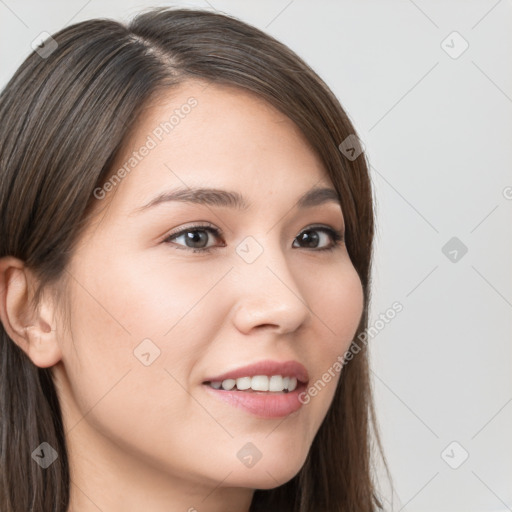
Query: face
{"x": 165, "y": 297}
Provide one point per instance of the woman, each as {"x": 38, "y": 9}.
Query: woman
{"x": 185, "y": 242}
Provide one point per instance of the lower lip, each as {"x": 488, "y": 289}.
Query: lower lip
{"x": 265, "y": 404}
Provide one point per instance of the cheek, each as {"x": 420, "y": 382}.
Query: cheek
{"x": 338, "y": 310}
{"x": 338, "y": 307}
{"x": 139, "y": 297}
{"x": 132, "y": 320}
{"x": 134, "y": 343}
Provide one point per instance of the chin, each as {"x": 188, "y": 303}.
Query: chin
{"x": 267, "y": 476}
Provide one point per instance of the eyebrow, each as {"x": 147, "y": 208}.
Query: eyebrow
{"x": 231, "y": 199}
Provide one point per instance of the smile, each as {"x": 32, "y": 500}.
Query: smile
{"x": 273, "y": 383}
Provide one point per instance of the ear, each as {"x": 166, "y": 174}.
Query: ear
{"x": 33, "y": 330}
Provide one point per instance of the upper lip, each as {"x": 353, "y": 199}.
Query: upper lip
{"x": 267, "y": 367}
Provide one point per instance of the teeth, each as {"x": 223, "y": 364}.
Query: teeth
{"x": 274, "y": 383}
{"x": 260, "y": 383}
{"x": 228, "y": 384}
{"x": 243, "y": 383}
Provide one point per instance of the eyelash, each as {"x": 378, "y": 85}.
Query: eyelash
{"x": 337, "y": 236}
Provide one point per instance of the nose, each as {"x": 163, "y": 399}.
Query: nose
{"x": 268, "y": 294}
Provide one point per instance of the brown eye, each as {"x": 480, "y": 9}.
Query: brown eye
{"x": 311, "y": 239}
{"x": 195, "y": 238}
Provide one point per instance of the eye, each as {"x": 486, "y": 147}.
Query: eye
{"x": 311, "y": 238}
{"x": 196, "y": 238}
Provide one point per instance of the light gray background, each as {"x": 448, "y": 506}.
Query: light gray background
{"x": 438, "y": 133}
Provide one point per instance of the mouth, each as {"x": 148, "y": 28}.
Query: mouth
{"x": 268, "y": 389}
{"x": 257, "y": 384}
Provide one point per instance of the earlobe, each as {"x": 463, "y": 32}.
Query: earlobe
{"x": 31, "y": 329}
{"x": 42, "y": 347}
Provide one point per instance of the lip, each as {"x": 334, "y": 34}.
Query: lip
{"x": 262, "y": 404}
{"x": 267, "y": 367}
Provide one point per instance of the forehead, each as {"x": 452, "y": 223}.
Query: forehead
{"x": 217, "y": 136}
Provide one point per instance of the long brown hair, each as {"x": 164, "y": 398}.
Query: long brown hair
{"x": 64, "y": 119}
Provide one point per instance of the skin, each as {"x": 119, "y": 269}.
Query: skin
{"x": 150, "y": 437}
